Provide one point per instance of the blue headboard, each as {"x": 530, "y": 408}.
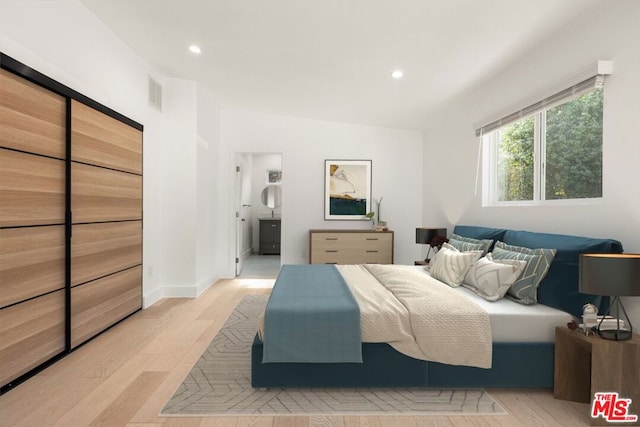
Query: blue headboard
{"x": 559, "y": 288}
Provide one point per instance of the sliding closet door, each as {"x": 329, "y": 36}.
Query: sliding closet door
{"x": 70, "y": 219}
{"x": 106, "y": 206}
{"x": 32, "y": 226}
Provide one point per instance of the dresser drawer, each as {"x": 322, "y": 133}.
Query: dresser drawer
{"x": 339, "y": 256}
{"x": 351, "y": 240}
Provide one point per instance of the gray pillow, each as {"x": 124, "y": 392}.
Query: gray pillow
{"x": 468, "y": 244}
{"x": 525, "y": 289}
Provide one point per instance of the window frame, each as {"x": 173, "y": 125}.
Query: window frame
{"x": 489, "y": 151}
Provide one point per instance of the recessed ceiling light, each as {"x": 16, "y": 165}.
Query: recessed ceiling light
{"x": 397, "y": 74}
{"x": 195, "y": 49}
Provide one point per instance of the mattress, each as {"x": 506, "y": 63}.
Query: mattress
{"x": 512, "y": 322}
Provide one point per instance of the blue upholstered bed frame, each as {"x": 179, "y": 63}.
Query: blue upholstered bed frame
{"x": 514, "y": 364}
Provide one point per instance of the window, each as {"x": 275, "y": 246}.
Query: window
{"x": 554, "y": 153}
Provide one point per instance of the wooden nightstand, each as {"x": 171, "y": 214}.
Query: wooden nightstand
{"x": 585, "y": 365}
{"x": 420, "y": 263}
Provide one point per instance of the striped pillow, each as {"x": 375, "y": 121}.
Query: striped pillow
{"x": 462, "y": 243}
{"x": 492, "y": 279}
{"x": 451, "y": 265}
{"x": 525, "y": 289}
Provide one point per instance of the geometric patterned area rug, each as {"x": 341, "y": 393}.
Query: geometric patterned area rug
{"x": 220, "y": 384}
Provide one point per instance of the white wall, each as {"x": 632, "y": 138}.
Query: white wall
{"x": 209, "y": 254}
{"x": 305, "y": 144}
{"x": 451, "y": 147}
{"x": 63, "y": 40}
{"x": 178, "y": 190}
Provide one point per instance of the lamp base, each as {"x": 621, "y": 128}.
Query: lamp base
{"x": 427, "y": 259}
{"x": 619, "y": 313}
{"x": 615, "y": 334}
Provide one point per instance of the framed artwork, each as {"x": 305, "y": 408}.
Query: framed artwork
{"x": 347, "y": 189}
{"x": 274, "y": 176}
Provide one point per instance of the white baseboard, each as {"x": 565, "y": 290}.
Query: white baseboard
{"x": 177, "y": 292}
{"x": 206, "y": 284}
{"x": 152, "y": 298}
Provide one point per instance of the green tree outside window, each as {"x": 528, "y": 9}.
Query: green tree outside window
{"x": 570, "y": 146}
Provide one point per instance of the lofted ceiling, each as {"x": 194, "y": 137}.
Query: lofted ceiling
{"x": 332, "y": 59}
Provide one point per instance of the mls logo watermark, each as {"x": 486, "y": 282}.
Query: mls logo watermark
{"x": 612, "y": 408}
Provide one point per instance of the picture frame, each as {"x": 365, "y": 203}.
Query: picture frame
{"x": 347, "y": 189}
{"x": 274, "y": 176}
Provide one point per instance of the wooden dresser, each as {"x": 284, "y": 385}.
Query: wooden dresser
{"x": 350, "y": 247}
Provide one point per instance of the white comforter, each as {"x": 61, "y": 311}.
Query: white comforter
{"x": 417, "y": 315}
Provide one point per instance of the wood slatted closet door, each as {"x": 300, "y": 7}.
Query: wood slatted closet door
{"x": 32, "y": 231}
{"x": 106, "y": 206}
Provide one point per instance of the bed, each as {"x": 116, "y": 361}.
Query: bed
{"x": 521, "y": 344}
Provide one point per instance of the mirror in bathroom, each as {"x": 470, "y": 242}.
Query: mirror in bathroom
{"x": 272, "y": 196}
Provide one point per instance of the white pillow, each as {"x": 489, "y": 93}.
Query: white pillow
{"x": 492, "y": 279}
{"x": 451, "y": 265}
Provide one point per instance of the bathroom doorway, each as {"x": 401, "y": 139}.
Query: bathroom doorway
{"x": 258, "y": 213}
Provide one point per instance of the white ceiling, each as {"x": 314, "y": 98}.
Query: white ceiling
{"x": 332, "y": 59}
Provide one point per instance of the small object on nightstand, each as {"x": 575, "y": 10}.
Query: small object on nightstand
{"x": 589, "y": 317}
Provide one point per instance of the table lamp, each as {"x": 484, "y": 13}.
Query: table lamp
{"x": 613, "y": 275}
{"x": 424, "y": 236}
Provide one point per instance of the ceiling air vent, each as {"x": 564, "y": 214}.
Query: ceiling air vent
{"x": 155, "y": 94}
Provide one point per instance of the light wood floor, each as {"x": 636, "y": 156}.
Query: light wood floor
{"x": 125, "y": 376}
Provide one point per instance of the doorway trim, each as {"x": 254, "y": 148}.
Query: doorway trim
{"x": 246, "y": 209}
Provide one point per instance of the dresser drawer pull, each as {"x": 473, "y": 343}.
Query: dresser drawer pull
{"x": 372, "y": 238}
{"x": 372, "y": 252}
{"x": 331, "y": 250}
{"x": 330, "y": 238}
